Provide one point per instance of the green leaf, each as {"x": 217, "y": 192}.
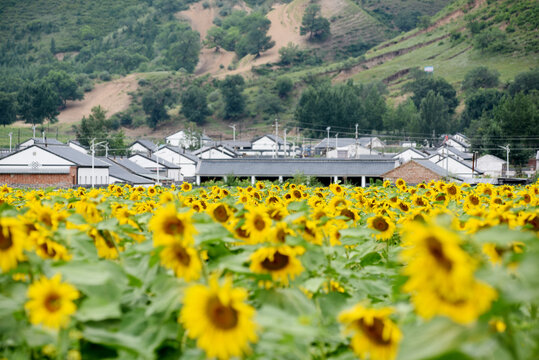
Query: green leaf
{"x": 97, "y": 309}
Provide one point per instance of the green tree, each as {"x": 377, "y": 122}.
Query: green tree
{"x": 184, "y": 52}
{"x": 480, "y": 77}
{"x": 374, "y": 108}
{"x": 8, "y": 108}
{"x": 255, "y": 39}
{"x": 232, "y": 91}
{"x": 434, "y": 114}
{"x": 215, "y": 38}
{"x": 153, "y": 104}
{"x": 404, "y": 118}
{"x": 195, "y": 105}
{"x": 480, "y": 102}
{"x": 96, "y": 126}
{"x": 38, "y": 103}
{"x": 525, "y": 82}
{"x": 284, "y": 86}
{"x": 423, "y": 84}
{"x": 65, "y": 85}
{"x": 314, "y": 24}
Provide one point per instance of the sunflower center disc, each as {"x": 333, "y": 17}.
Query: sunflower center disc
{"x": 259, "y": 223}
{"x": 223, "y": 317}
{"x": 436, "y": 250}
{"x": 182, "y": 255}
{"x": 52, "y": 302}
{"x": 279, "y": 262}
{"x": 5, "y": 241}
{"x": 220, "y": 213}
{"x": 381, "y": 225}
{"x": 174, "y": 226}
{"x": 374, "y": 331}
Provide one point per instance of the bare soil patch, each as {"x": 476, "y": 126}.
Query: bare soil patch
{"x": 113, "y": 96}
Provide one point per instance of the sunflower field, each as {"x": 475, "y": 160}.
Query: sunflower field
{"x": 434, "y": 271}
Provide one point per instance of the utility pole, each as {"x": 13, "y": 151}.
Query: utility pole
{"x": 507, "y": 150}
{"x": 285, "y": 143}
{"x": 34, "y": 131}
{"x": 276, "y": 137}
{"x": 10, "y": 136}
{"x": 92, "y": 148}
{"x": 327, "y": 144}
{"x": 357, "y": 145}
{"x": 43, "y": 134}
{"x": 233, "y": 136}
{"x": 107, "y": 150}
{"x": 157, "y": 164}
{"x": 336, "y": 140}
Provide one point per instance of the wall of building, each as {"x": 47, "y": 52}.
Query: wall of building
{"x": 37, "y": 180}
{"x": 84, "y": 176}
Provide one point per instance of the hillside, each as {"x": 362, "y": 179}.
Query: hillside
{"x": 152, "y": 41}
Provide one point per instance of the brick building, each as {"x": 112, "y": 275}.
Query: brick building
{"x": 36, "y": 178}
{"x": 416, "y": 171}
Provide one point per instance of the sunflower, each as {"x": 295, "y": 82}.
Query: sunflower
{"x": 400, "y": 182}
{"x": 12, "y": 243}
{"x": 280, "y": 262}
{"x": 51, "y": 302}
{"x": 383, "y": 226}
{"x": 218, "y": 317}
{"x": 48, "y": 249}
{"x": 183, "y": 260}
{"x": 220, "y": 212}
{"x": 375, "y": 336}
{"x": 106, "y": 243}
{"x": 433, "y": 247}
{"x": 464, "y": 307}
{"x": 186, "y": 187}
{"x": 168, "y": 226}
{"x": 279, "y": 232}
{"x": 257, "y": 224}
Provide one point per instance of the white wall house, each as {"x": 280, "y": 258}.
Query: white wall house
{"x": 463, "y": 156}
{"x": 142, "y": 146}
{"x": 457, "y": 168}
{"x": 491, "y": 165}
{"x": 33, "y": 162}
{"x": 350, "y": 151}
{"x": 158, "y": 164}
{"x": 182, "y": 158}
{"x": 409, "y": 154}
{"x": 184, "y": 139}
{"x": 215, "y": 152}
{"x": 371, "y": 142}
{"x": 75, "y": 145}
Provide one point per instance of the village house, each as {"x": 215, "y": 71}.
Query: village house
{"x": 187, "y": 139}
{"x": 77, "y": 146}
{"x": 121, "y": 175}
{"x": 417, "y": 171}
{"x": 186, "y": 161}
{"x": 142, "y": 146}
{"x": 215, "y": 152}
{"x": 409, "y": 154}
{"x": 157, "y": 165}
{"x": 491, "y": 165}
{"x": 52, "y": 165}
{"x": 457, "y": 168}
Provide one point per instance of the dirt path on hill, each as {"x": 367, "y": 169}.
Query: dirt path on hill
{"x": 112, "y": 96}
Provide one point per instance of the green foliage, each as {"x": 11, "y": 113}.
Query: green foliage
{"x": 96, "y": 126}
{"x": 65, "y": 85}
{"x": 480, "y": 103}
{"x": 312, "y": 23}
{"x": 424, "y": 22}
{"x": 525, "y": 82}
{"x": 480, "y": 77}
{"x": 154, "y": 103}
{"x": 293, "y": 55}
{"x": 38, "y": 102}
{"x": 404, "y": 118}
{"x": 425, "y": 83}
{"x": 434, "y": 114}
{"x": 231, "y": 89}
{"x": 284, "y": 86}
{"x": 492, "y": 41}
{"x": 8, "y": 108}
{"x": 182, "y": 47}
{"x": 195, "y": 105}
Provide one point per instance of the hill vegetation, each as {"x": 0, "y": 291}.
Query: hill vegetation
{"x": 366, "y": 69}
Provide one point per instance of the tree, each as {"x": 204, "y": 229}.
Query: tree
{"x": 423, "y": 84}
{"x": 525, "y": 81}
{"x": 434, "y": 113}
{"x": 8, "y": 108}
{"x": 480, "y": 102}
{"x": 480, "y": 77}
{"x": 284, "y": 86}
{"x": 184, "y": 52}
{"x": 255, "y": 40}
{"x": 153, "y": 104}
{"x": 404, "y": 118}
{"x": 314, "y": 24}
{"x": 215, "y": 37}
{"x": 232, "y": 88}
{"x": 195, "y": 105}
{"x": 38, "y": 102}
{"x": 374, "y": 108}
{"x": 96, "y": 126}
{"x": 66, "y": 87}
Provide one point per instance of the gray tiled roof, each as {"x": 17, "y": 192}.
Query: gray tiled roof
{"x": 463, "y": 155}
{"x": 135, "y": 168}
{"x": 237, "y": 143}
{"x": 217, "y": 147}
{"x": 148, "y": 144}
{"x": 340, "y": 142}
{"x": 272, "y": 137}
{"x": 49, "y": 141}
{"x": 77, "y": 157}
{"x": 163, "y": 162}
{"x": 412, "y": 149}
{"x": 431, "y": 166}
{"x": 182, "y": 152}
{"x": 290, "y": 167}
{"x": 120, "y": 172}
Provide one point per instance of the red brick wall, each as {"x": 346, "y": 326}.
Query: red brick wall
{"x": 37, "y": 180}
{"x": 412, "y": 173}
